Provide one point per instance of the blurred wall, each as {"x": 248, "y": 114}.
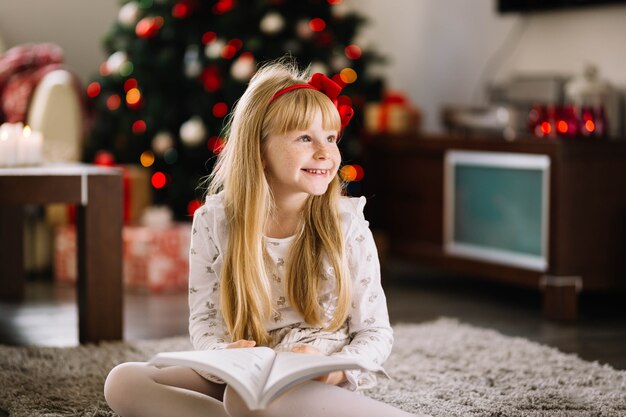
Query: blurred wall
{"x": 445, "y": 51}
{"x": 440, "y": 51}
{"x": 76, "y": 25}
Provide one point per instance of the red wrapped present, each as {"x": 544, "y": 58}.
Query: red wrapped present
{"x": 155, "y": 259}
{"x": 393, "y": 115}
{"x": 65, "y": 254}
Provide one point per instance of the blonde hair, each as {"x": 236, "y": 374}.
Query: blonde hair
{"x": 245, "y": 293}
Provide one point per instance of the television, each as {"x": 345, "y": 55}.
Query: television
{"x": 526, "y": 6}
{"x": 496, "y": 207}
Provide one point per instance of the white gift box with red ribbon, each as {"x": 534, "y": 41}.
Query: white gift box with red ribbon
{"x": 155, "y": 259}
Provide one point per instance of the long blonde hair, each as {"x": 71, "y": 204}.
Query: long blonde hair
{"x": 245, "y": 293}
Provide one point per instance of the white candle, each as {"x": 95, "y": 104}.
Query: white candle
{"x": 10, "y": 134}
{"x": 29, "y": 150}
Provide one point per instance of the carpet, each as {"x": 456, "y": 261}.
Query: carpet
{"x": 442, "y": 368}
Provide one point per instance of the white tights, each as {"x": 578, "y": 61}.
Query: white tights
{"x": 137, "y": 389}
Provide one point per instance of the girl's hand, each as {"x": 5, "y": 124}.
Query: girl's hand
{"x": 241, "y": 343}
{"x": 333, "y": 378}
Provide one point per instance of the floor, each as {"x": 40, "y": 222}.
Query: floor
{"x": 48, "y": 316}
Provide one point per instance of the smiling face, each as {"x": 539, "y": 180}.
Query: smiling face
{"x": 300, "y": 163}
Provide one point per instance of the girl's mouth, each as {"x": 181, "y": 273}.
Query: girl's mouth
{"x": 316, "y": 171}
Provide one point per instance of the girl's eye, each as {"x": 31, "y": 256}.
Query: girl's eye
{"x": 304, "y": 138}
{"x": 332, "y": 139}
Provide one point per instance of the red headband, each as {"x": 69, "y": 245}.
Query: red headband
{"x": 325, "y": 85}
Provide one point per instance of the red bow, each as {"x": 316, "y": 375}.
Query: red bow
{"x": 343, "y": 103}
{"x": 331, "y": 89}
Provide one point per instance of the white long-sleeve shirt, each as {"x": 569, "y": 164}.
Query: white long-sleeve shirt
{"x": 370, "y": 335}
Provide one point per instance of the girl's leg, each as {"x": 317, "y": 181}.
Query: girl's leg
{"x": 138, "y": 389}
{"x": 315, "y": 399}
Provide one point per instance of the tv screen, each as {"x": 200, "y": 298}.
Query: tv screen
{"x": 524, "y": 6}
{"x": 497, "y": 207}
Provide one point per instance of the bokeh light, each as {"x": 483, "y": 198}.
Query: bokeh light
{"x": 348, "y": 75}
{"x": 348, "y": 173}
{"x": 546, "y": 128}
{"x": 215, "y": 144}
{"x": 159, "y": 180}
{"x": 130, "y": 84}
{"x": 93, "y": 89}
{"x": 208, "y": 37}
{"x": 220, "y": 109}
{"x": 133, "y": 96}
{"x": 590, "y": 126}
{"x": 146, "y": 159}
{"x": 192, "y": 206}
{"x": 139, "y": 127}
{"x": 317, "y": 24}
{"x": 228, "y": 52}
{"x": 113, "y": 102}
{"x": 561, "y": 126}
{"x": 353, "y": 52}
{"x": 126, "y": 69}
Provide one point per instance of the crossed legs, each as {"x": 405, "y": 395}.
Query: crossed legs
{"x": 137, "y": 389}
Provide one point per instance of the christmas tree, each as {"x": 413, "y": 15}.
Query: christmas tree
{"x": 175, "y": 68}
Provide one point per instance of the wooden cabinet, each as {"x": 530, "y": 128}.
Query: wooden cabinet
{"x": 587, "y": 215}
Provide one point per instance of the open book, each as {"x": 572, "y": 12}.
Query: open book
{"x": 259, "y": 374}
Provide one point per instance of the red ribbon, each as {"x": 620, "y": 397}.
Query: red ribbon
{"x": 331, "y": 89}
{"x": 389, "y": 98}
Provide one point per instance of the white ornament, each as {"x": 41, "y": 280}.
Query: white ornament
{"x": 192, "y": 62}
{"x": 193, "y": 132}
{"x": 243, "y": 68}
{"x": 272, "y": 23}
{"x": 161, "y": 142}
{"x": 340, "y": 10}
{"x": 319, "y": 67}
{"x": 128, "y": 14}
{"x": 304, "y": 30}
{"x": 339, "y": 62}
{"x": 214, "y": 49}
{"x": 116, "y": 60}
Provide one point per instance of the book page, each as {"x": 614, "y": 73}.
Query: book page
{"x": 290, "y": 368}
{"x": 245, "y": 369}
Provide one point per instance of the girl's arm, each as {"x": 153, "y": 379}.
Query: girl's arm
{"x": 207, "y": 329}
{"x": 368, "y": 323}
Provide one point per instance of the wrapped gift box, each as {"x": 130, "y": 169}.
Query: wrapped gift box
{"x": 393, "y": 115}
{"x": 155, "y": 259}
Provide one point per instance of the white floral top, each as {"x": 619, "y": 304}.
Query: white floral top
{"x": 367, "y": 330}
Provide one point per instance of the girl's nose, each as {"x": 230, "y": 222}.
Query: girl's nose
{"x": 321, "y": 152}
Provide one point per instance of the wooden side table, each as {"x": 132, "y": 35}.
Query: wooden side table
{"x": 97, "y": 191}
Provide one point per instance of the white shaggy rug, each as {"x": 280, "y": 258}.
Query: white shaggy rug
{"x": 442, "y": 368}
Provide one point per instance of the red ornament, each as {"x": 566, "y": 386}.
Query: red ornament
{"x": 236, "y": 43}
{"x": 113, "y": 102}
{"x": 148, "y": 27}
{"x": 223, "y": 6}
{"x": 192, "y": 206}
{"x": 104, "y": 158}
{"x": 215, "y": 144}
{"x": 353, "y": 52}
{"x": 93, "y": 89}
{"x": 208, "y": 37}
{"x": 317, "y": 24}
{"x": 130, "y": 84}
{"x": 220, "y": 109}
{"x": 159, "y": 180}
{"x": 229, "y": 51}
{"x": 211, "y": 79}
{"x": 139, "y": 127}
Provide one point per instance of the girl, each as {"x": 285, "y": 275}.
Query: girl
{"x": 278, "y": 258}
